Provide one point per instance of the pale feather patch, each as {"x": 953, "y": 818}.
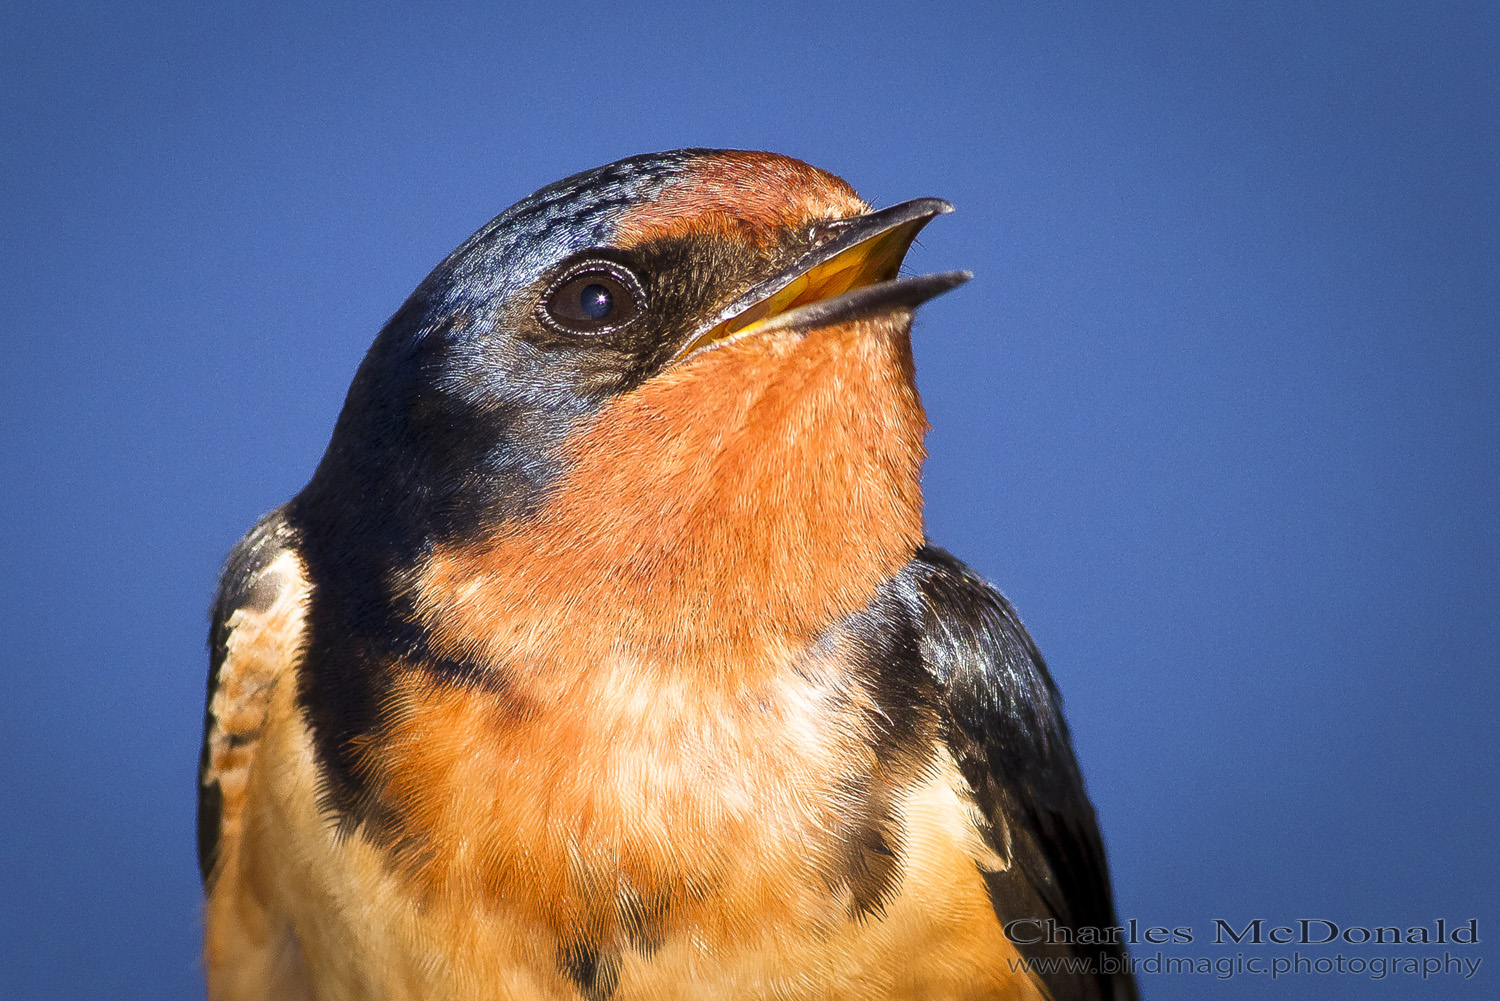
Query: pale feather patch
{"x": 249, "y": 949}
{"x": 262, "y": 645}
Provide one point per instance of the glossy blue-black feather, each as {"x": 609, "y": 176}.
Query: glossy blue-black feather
{"x": 1005, "y": 728}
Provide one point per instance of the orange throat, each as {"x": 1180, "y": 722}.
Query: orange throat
{"x": 749, "y": 498}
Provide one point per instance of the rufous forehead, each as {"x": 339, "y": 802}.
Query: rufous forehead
{"x": 752, "y": 195}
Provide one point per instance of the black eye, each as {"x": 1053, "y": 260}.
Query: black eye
{"x": 593, "y": 301}
{"x": 596, "y": 301}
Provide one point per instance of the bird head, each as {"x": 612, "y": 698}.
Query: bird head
{"x": 648, "y": 366}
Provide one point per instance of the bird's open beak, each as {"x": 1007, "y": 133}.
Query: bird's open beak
{"x": 852, "y": 273}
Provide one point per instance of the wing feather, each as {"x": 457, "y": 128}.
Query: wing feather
{"x": 253, "y": 641}
{"x": 1006, "y": 731}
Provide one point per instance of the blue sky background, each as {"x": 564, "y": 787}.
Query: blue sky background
{"x": 1219, "y": 410}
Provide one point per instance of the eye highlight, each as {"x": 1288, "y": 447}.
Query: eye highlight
{"x": 593, "y": 299}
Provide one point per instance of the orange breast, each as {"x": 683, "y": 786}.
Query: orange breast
{"x": 654, "y": 701}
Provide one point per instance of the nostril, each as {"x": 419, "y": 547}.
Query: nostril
{"x": 820, "y": 233}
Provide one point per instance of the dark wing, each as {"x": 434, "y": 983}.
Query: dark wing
{"x": 253, "y": 639}
{"x": 1006, "y": 731}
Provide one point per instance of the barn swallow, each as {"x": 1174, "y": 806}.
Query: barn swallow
{"x": 604, "y": 655}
